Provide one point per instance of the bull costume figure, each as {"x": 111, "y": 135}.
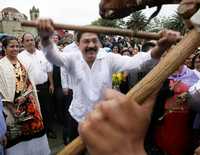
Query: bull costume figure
{"x": 112, "y": 9}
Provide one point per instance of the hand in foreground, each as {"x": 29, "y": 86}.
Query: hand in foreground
{"x": 197, "y": 151}
{"x": 117, "y": 126}
{"x": 168, "y": 38}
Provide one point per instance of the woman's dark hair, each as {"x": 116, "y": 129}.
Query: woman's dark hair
{"x": 6, "y": 41}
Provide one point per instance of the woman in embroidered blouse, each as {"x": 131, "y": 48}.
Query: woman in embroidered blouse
{"x": 25, "y": 129}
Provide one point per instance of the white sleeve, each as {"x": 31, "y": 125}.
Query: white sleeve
{"x": 141, "y": 61}
{"x": 55, "y": 57}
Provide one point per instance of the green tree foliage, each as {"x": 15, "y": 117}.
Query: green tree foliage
{"x": 155, "y": 25}
{"x": 136, "y": 21}
{"x": 109, "y": 23}
{"x": 174, "y": 22}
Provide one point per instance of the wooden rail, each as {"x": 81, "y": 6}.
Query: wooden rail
{"x": 100, "y": 29}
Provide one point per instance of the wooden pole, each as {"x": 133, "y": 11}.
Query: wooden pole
{"x": 100, "y": 29}
{"x": 170, "y": 63}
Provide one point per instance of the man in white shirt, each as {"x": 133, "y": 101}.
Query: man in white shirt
{"x": 91, "y": 68}
{"x": 41, "y": 70}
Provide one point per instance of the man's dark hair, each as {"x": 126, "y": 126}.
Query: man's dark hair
{"x": 26, "y": 34}
{"x": 125, "y": 49}
{"x": 79, "y": 35}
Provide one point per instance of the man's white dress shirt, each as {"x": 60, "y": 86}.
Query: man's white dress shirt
{"x": 37, "y": 64}
{"x": 89, "y": 83}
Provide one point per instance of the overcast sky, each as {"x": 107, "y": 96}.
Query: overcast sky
{"x": 79, "y": 12}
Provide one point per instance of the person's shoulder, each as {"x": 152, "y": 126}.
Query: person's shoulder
{"x": 23, "y": 53}
{"x": 37, "y": 51}
{"x": 3, "y": 60}
{"x": 25, "y": 58}
{"x": 73, "y": 47}
{"x": 71, "y": 51}
{"x": 112, "y": 55}
{"x": 192, "y": 71}
{"x": 39, "y": 54}
{"x": 102, "y": 53}
{"x": 196, "y": 72}
{"x": 4, "y": 64}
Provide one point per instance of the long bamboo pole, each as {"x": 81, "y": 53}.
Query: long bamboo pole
{"x": 100, "y": 29}
{"x": 175, "y": 57}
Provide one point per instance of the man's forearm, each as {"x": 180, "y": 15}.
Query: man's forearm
{"x": 52, "y": 53}
{"x": 50, "y": 77}
{"x": 45, "y": 42}
{"x": 157, "y": 51}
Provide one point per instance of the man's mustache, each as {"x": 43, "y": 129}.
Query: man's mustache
{"x": 91, "y": 49}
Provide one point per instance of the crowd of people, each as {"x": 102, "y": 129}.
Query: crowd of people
{"x": 50, "y": 77}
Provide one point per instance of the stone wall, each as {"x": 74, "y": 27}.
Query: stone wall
{"x": 15, "y": 28}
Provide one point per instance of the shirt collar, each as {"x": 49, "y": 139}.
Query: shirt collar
{"x": 28, "y": 53}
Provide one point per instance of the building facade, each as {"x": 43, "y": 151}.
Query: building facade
{"x": 11, "y": 18}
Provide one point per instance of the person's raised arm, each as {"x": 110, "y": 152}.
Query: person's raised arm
{"x": 145, "y": 61}
{"x": 45, "y": 30}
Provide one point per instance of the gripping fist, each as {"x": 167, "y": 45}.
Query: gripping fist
{"x": 45, "y": 28}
